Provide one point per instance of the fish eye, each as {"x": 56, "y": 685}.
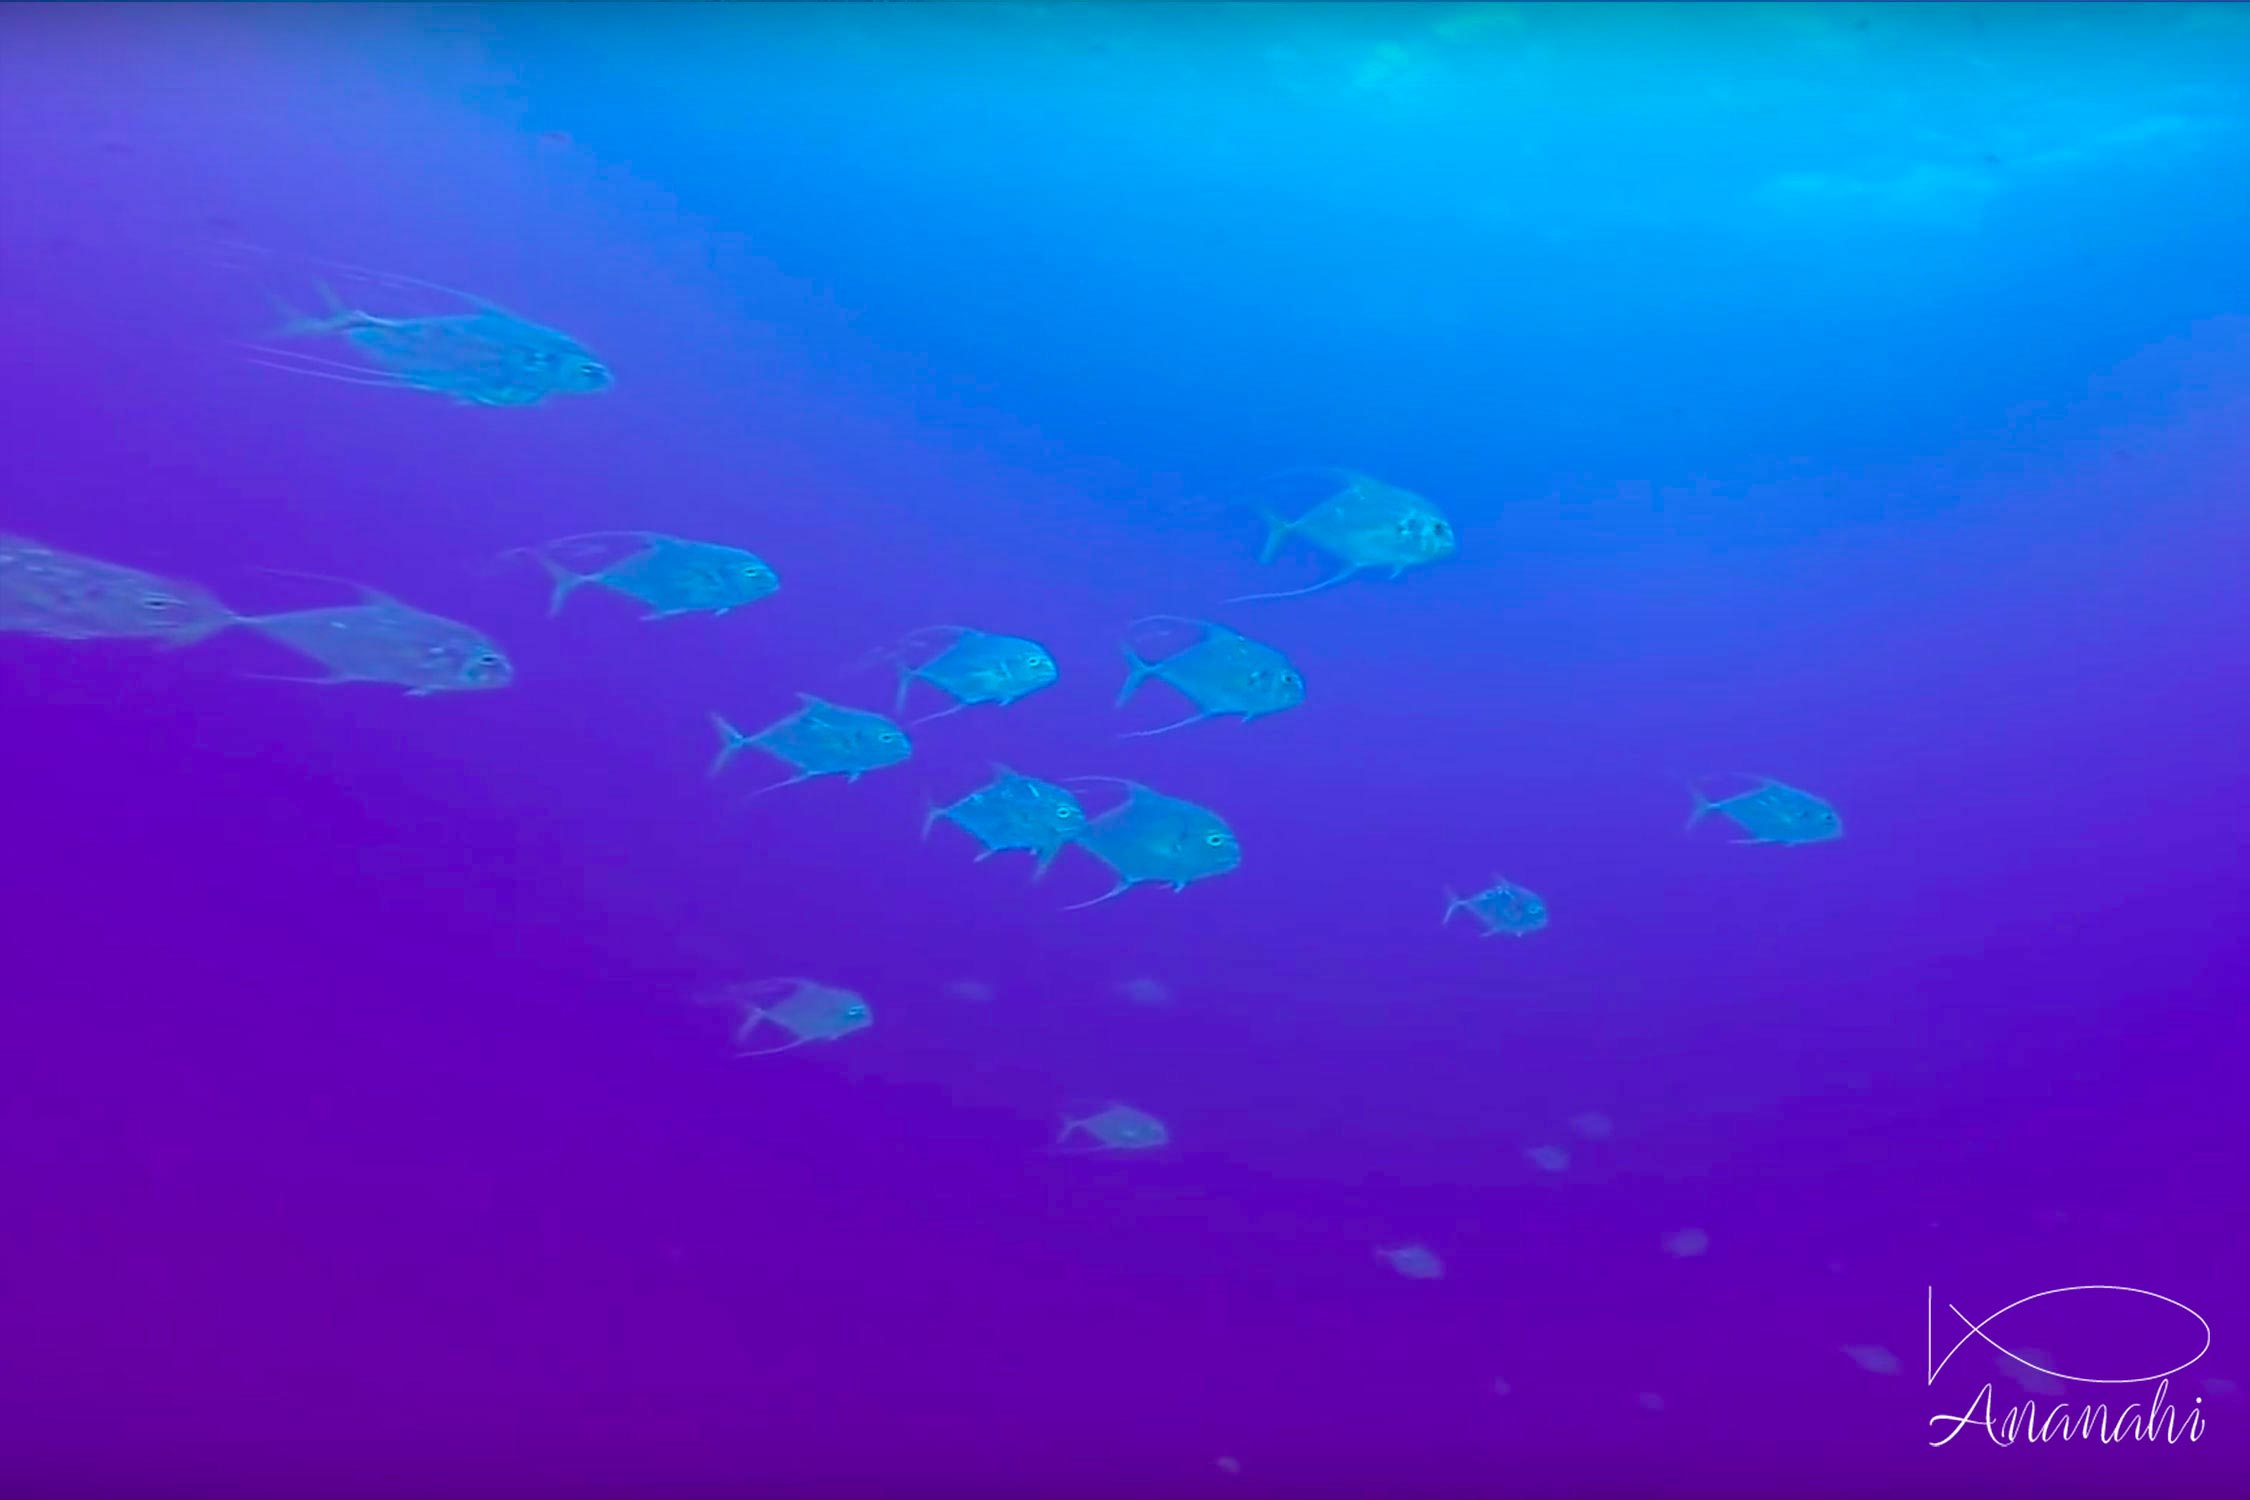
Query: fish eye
{"x": 159, "y": 601}
{"x": 590, "y": 370}
{"x": 1215, "y": 840}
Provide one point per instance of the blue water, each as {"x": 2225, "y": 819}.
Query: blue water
{"x": 1853, "y": 395}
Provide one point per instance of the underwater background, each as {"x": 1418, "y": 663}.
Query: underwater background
{"x": 1853, "y": 395}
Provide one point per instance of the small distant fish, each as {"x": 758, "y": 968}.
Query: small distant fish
{"x": 1150, "y": 838}
{"x": 1685, "y": 1244}
{"x": 671, "y": 575}
{"x": 383, "y": 640}
{"x": 970, "y": 667}
{"x": 1504, "y": 907}
{"x": 819, "y": 739}
{"x": 1414, "y": 1262}
{"x": 1119, "y": 1127}
{"x": 1592, "y": 1125}
{"x": 1227, "y": 1465}
{"x": 65, "y": 597}
{"x": 1873, "y": 1358}
{"x": 1549, "y": 1158}
{"x": 1363, "y": 524}
{"x": 975, "y": 991}
{"x": 483, "y": 356}
{"x": 1500, "y": 1386}
{"x": 1145, "y": 991}
{"x": 1773, "y": 813}
{"x": 805, "y": 1010}
{"x": 1650, "y": 1401}
{"x": 1014, "y": 812}
{"x": 2028, "y": 1368}
{"x": 1223, "y": 674}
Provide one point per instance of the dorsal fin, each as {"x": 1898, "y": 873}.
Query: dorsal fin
{"x": 366, "y": 591}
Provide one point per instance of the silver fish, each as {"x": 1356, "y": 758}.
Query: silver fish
{"x": 482, "y": 356}
{"x": 1773, "y": 812}
{"x": 383, "y": 640}
{"x": 819, "y": 739}
{"x": 1119, "y": 1127}
{"x": 1502, "y": 907}
{"x": 67, "y": 597}
{"x": 803, "y": 1009}
{"x": 1414, "y": 1262}
{"x": 671, "y": 575}
{"x": 1015, "y": 812}
{"x": 1152, "y": 838}
{"x": 971, "y": 667}
{"x": 1363, "y": 524}
{"x": 1224, "y": 674}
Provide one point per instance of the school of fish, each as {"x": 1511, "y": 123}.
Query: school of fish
{"x": 478, "y": 354}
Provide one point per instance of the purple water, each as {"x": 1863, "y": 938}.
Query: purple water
{"x": 1851, "y": 395}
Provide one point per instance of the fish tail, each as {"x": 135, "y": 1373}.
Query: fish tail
{"x": 906, "y": 675}
{"x": 931, "y": 812}
{"x": 566, "y": 581}
{"x": 731, "y": 741}
{"x": 337, "y": 318}
{"x": 1703, "y": 805}
{"x": 1136, "y": 672}
{"x": 1453, "y": 904}
{"x": 1278, "y": 529}
{"x": 203, "y": 632}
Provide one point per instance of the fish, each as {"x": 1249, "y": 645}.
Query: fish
{"x": 1144, "y": 991}
{"x": 480, "y": 355}
{"x": 1014, "y": 812}
{"x": 1592, "y": 1125}
{"x": 1414, "y": 1262}
{"x": 1224, "y": 674}
{"x": 819, "y": 739}
{"x": 1151, "y": 838}
{"x": 1118, "y": 1127}
{"x": 1873, "y": 1358}
{"x": 1363, "y": 524}
{"x": 66, "y": 597}
{"x": 383, "y": 640}
{"x": 971, "y": 667}
{"x": 1548, "y": 1158}
{"x": 671, "y": 575}
{"x": 1503, "y": 907}
{"x": 1686, "y": 1244}
{"x": 1772, "y": 812}
{"x": 806, "y": 1009}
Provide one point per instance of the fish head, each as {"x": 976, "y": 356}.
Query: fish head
{"x": 882, "y": 743}
{"x": 1524, "y": 910}
{"x": 1212, "y": 848}
{"x": 748, "y": 577}
{"x": 1061, "y": 812}
{"x": 1815, "y": 823}
{"x": 572, "y": 371}
{"x": 1033, "y": 667}
{"x": 850, "y": 1015}
{"x": 468, "y": 663}
{"x": 1424, "y": 535}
